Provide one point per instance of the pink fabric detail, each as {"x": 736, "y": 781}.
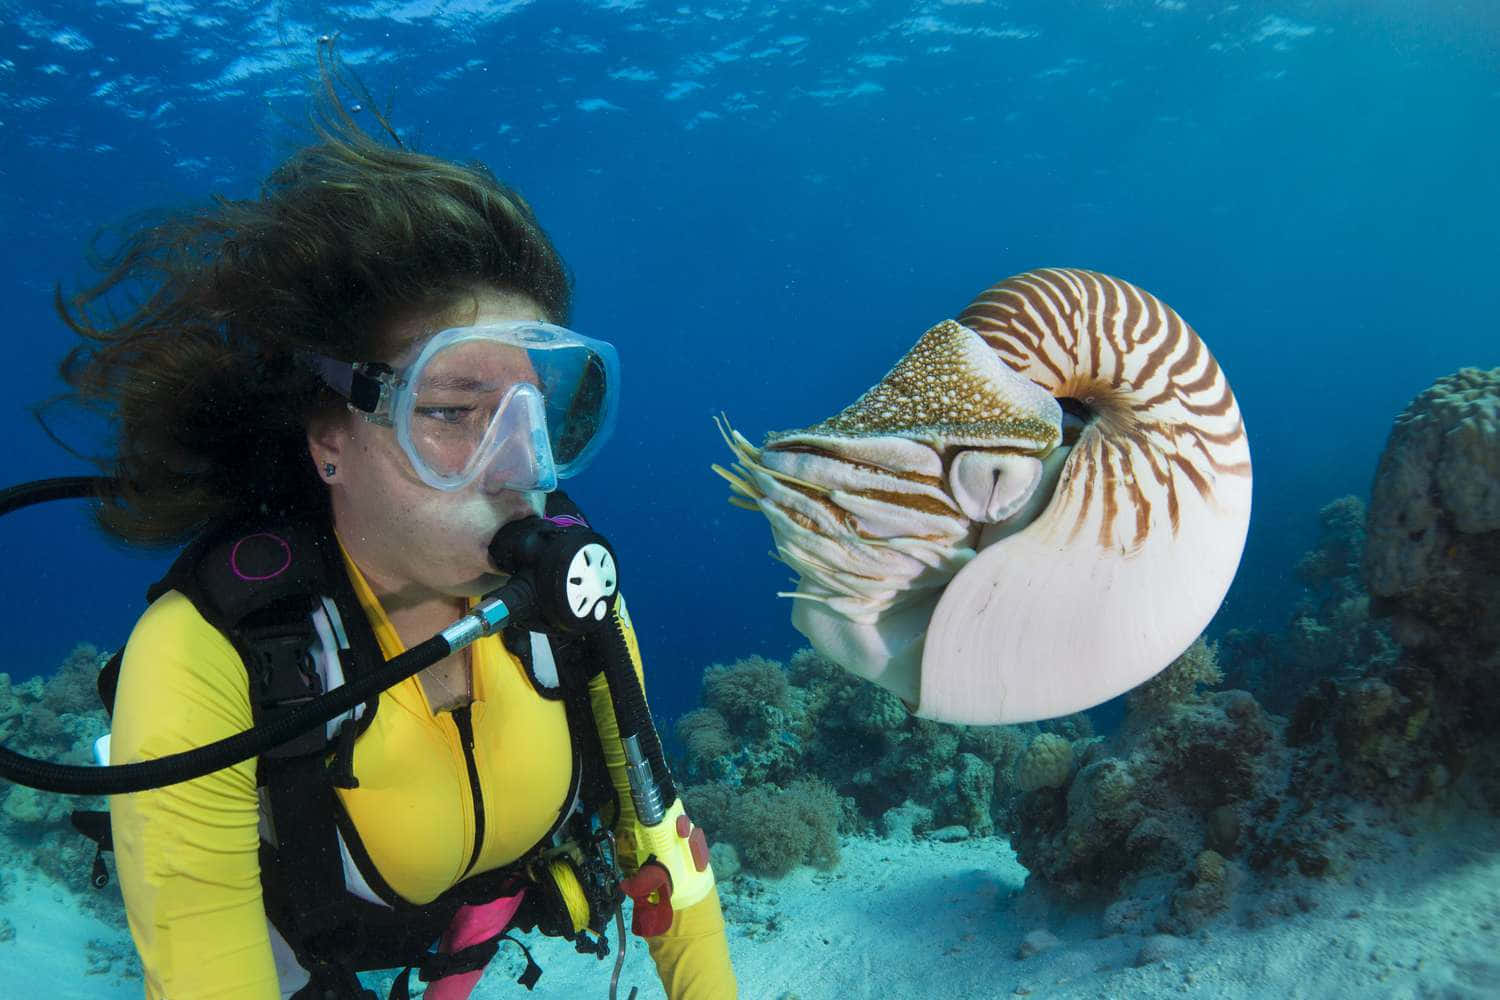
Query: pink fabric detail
{"x": 471, "y": 924}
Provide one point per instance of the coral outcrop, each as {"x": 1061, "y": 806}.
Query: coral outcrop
{"x": 57, "y": 719}
{"x": 1331, "y": 632}
{"x": 1205, "y": 803}
{"x": 1198, "y": 665}
{"x": 1432, "y": 563}
{"x": 765, "y": 727}
{"x": 773, "y": 830}
{"x": 1047, "y": 762}
{"x": 1434, "y": 532}
{"x": 1151, "y": 821}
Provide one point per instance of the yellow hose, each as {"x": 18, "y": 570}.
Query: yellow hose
{"x": 572, "y": 893}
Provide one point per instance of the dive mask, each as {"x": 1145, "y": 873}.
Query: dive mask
{"x": 520, "y": 405}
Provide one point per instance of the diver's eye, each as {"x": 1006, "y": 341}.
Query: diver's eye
{"x": 446, "y": 414}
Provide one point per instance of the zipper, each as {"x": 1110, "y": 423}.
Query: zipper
{"x": 465, "y": 726}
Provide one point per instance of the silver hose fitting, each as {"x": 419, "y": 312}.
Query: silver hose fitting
{"x": 643, "y": 790}
{"x": 485, "y": 618}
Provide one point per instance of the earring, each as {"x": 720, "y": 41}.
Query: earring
{"x": 328, "y": 469}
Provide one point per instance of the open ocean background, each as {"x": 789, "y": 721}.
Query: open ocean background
{"x": 765, "y": 204}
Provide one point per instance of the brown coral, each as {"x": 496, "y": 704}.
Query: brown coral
{"x": 1198, "y": 664}
{"x": 1434, "y": 521}
{"x": 747, "y": 692}
{"x": 705, "y": 738}
{"x": 1430, "y": 562}
{"x": 777, "y": 829}
{"x": 1046, "y": 763}
{"x": 1214, "y": 881}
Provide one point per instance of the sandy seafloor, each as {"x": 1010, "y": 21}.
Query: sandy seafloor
{"x": 946, "y": 920}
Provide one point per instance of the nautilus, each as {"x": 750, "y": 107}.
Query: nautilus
{"x": 1040, "y": 506}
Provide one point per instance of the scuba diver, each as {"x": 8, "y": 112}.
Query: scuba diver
{"x": 354, "y": 397}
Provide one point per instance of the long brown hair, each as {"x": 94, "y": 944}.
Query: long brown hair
{"x": 198, "y": 374}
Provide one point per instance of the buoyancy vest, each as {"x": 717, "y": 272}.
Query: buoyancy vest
{"x": 281, "y": 594}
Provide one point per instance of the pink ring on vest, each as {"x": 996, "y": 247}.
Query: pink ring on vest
{"x": 234, "y": 557}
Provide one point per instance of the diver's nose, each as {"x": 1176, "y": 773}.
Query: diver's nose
{"x": 522, "y": 464}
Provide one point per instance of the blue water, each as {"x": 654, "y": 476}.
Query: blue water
{"x": 765, "y": 204}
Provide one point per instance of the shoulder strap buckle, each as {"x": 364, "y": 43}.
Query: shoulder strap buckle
{"x": 283, "y": 677}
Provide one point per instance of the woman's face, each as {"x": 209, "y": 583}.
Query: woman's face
{"x": 415, "y": 543}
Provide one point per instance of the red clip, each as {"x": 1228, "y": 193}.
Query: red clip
{"x": 651, "y": 889}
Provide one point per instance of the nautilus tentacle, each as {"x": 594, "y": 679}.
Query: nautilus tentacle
{"x": 991, "y": 557}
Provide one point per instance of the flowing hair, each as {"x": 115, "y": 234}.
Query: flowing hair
{"x": 196, "y": 373}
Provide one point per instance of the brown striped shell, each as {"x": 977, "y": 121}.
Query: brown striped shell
{"x": 1164, "y": 408}
{"x": 961, "y": 542}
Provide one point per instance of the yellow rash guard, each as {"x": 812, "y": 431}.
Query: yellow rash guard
{"x": 188, "y": 857}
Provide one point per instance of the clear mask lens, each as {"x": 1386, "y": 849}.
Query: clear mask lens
{"x": 517, "y": 454}
{"x": 520, "y": 410}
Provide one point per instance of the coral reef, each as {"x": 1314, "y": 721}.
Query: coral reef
{"x": 1198, "y": 665}
{"x": 1432, "y": 562}
{"x": 1331, "y": 632}
{"x": 765, "y": 727}
{"x": 771, "y": 829}
{"x": 753, "y": 691}
{"x": 751, "y": 728}
{"x": 1150, "y": 822}
{"x": 1046, "y": 763}
{"x": 706, "y": 740}
{"x": 1213, "y": 883}
{"x": 56, "y": 719}
{"x": 1204, "y": 804}
{"x": 1435, "y": 515}
{"x": 1434, "y": 540}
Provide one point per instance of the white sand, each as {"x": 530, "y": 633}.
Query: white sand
{"x": 56, "y": 944}
{"x": 924, "y": 919}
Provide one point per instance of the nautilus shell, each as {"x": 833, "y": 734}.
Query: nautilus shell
{"x": 1038, "y": 508}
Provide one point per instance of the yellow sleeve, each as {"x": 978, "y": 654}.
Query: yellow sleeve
{"x": 187, "y": 854}
{"x": 692, "y": 957}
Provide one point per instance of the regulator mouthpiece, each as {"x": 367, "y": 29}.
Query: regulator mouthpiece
{"x": 570, "y": 566}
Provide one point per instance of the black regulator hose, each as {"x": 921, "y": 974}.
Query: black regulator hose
{"x": 121, "y": 778}
{"x": 578, "y": 588}
{"x": 60, "y": 488}
{"x": 189, "y": 764}
{"x": 634, "y": 718}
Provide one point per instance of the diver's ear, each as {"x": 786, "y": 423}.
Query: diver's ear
{"x": 327, "y": 440}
